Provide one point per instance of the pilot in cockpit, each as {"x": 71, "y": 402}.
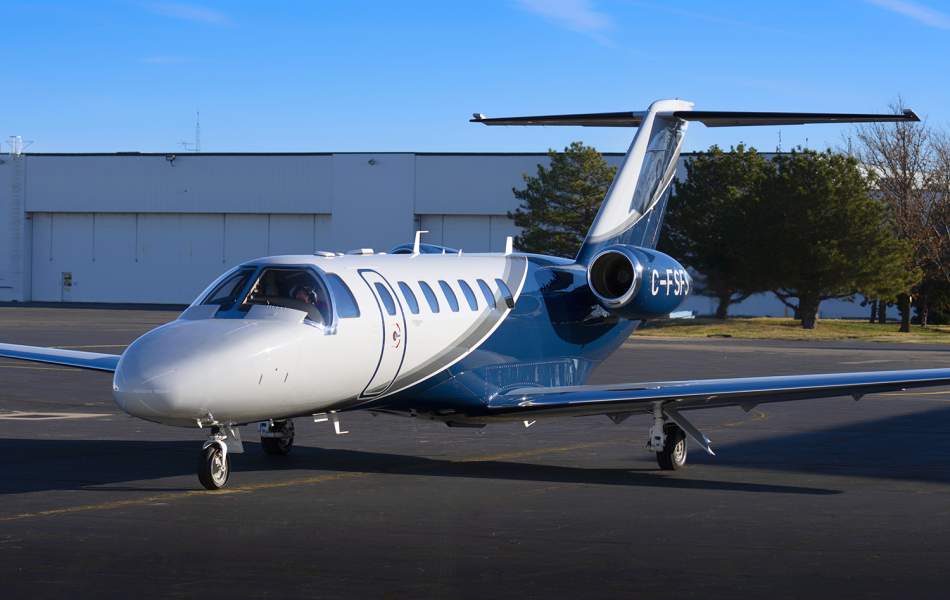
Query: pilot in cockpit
{"x": 308, "y": 294}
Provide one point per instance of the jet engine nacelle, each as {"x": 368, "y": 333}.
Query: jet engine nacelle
{"x": 637, "y": 283}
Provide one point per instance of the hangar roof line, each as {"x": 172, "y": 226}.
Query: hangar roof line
{"x": 181, "y": 154}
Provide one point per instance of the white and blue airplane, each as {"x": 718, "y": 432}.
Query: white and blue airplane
{"x": 466, "y": 339}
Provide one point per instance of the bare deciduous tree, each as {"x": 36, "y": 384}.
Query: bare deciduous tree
{"x": 905, "y": 161}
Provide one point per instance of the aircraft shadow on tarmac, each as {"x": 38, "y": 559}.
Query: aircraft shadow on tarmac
{"x": 43, "y": 465}
{"x": 909, "y": 447}
{"x": 914, "y": 447}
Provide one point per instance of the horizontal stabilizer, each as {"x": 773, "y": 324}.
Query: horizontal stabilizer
{"x": 613, "y": 119}
{"x": 709, "y": 118}
{"x": 715, "y": 118}
{"x": 59, "y": 356}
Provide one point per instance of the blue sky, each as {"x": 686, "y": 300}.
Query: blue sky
{"x": 405, "y": 76}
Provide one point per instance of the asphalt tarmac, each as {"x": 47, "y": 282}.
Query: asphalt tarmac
{"x": 826, "y": 498}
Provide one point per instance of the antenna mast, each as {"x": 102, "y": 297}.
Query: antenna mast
{"x": 194, "y": 146}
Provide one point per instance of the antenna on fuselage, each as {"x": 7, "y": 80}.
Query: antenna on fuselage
{"x": 415, "y": 244}
{"x": 509, "y": 245}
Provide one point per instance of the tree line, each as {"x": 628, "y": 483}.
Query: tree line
{"x": 805, "y": 225}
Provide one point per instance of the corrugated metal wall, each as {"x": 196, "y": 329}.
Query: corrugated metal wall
{"x": 159, "y": 228}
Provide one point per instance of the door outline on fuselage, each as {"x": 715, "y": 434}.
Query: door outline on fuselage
{"x": 385, "y": 375}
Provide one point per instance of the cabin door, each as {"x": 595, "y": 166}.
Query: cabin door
{"x": 392, "y": 323}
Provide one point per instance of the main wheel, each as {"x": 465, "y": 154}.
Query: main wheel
{"x": 214, "y": 467}
{"x": 280, "y": 445}
{"x": 673, "y": 455}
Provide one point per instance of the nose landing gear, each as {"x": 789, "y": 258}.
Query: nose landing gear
{"x": 214, "y": 464}
{"x": 277, "y": 437}
{"x": 214, "y": 467}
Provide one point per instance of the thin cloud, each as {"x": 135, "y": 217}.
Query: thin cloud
{"x": 918, "y": 12}
{"x": 190, "y": 12}
{"x": 576, "y": 15}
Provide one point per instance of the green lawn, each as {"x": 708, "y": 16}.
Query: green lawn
{"x": 764, "y": 328}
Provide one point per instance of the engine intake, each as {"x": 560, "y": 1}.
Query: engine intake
{"x": 637, "y": 283}
{"x": 615, "y": 276}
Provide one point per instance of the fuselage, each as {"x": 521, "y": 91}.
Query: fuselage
{"x": 435, "y": 335}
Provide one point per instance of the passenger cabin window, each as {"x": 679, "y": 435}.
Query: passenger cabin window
{"x": 293, "y": 287}
{"x": 227, "y": 292}
{"x": 387, "y": 299}
{"x": 430, "y": 296}
{"x": 506, "y": 293}
{"x": 450, "y": 296}
{"x": 486, "y": 291}
{"x": 346, "y": 306}
{"x": 410, "y": 297}
{"x": 469, "y": 294}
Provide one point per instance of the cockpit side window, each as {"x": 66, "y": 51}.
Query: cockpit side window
{"x": 346, "y": 306}
{"x": 227, "y": 292}
{"x": 292, "y": 287}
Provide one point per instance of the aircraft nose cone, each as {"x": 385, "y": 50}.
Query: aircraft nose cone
{"x": 164, "y": 375}
{"x": 186, "y": 370}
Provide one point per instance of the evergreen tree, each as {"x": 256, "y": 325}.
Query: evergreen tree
{"x": 710, "y": 224}
{"x": 559, "y": 203}
{"x": 830, "y": 239}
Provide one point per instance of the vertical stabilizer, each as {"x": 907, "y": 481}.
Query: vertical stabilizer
{"x": 633, "y": 208}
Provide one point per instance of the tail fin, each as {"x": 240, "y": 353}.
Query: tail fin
{"x": 632, "y": 211}
{"x": 633, "y": 208}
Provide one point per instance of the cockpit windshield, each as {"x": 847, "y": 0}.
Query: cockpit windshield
{"x": 296, "y": 288}
{"x": 226, "y": 293}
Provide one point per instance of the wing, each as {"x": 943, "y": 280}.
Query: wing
{"x": 672, "y": 397}
{"x": 59, "y": 356}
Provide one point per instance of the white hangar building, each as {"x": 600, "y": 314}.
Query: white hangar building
{"x": 157, "y": 228}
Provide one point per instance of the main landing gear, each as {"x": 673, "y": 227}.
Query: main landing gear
{"x": 668, "y": 437}
{"x": 277, "y": 437}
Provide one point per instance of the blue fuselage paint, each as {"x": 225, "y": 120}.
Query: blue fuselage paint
{"x": 555, "y": 336}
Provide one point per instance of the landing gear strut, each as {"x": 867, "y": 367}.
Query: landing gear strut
{"x": 277, "y": 437}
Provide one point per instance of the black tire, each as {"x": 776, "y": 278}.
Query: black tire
{"x": 280, "y": 446}
{"x": 214, "y": 468}
{"x": 673, "y": 455}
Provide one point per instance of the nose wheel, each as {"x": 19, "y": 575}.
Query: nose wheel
{"x": 214, "y": 466}
{"x": 277, "y": 437}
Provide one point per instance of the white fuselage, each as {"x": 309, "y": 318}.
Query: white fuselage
{"x": 212, "y": 366}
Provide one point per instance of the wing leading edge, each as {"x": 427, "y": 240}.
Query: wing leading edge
{"x": 747, "y": 392}
{"x": 59, "y": 356}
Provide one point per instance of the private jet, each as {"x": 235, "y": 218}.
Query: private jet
{"x": 468, "y": 339}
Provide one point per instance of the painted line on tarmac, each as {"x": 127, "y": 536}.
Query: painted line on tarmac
{"x": 17, "y": 415}
{"x": 256, "y": 487}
